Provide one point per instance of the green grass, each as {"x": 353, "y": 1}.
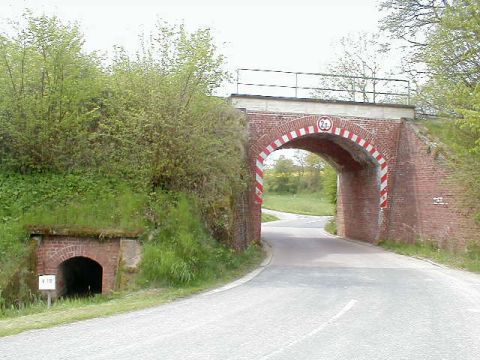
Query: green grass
{"x": 268, "y": 217}
{"x": 468, "y": 260}
{"x": 306, "y": 204}
{"x": 331, "y": 227}
{"x": 441, "y": 130}
{"x": 72, "y": 200}
{"x": 37, "y": 316}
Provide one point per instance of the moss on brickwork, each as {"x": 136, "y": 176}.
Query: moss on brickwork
{"x": 83, "y": 232}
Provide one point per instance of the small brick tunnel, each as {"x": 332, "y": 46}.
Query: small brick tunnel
{"x": 86, "y": 262}
{"x": 81, "y": 277}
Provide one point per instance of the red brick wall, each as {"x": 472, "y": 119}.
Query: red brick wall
{"x": 358, "y": 210}
{"x": 54, "y": 250}
{"x": 420, "y": 176}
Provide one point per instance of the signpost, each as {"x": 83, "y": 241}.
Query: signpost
{"x": 47, "y": 283}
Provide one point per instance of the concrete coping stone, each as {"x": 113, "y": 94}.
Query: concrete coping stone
{"x": 315, "y": 100}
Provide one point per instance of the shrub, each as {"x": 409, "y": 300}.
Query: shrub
{"x": 178, "y": 248}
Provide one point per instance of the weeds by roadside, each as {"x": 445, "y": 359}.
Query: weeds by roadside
{"x": 268, "y": 217}
{"x": 467, "y": 260}
{"x": 331, "y": 227}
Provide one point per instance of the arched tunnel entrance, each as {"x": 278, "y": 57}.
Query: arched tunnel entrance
{"x": 81, "y": 277}
{"x": 362, "y": 175}
{"x": 358, "y": 208}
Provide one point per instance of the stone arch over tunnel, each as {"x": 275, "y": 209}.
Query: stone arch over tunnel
{"x": 81, "y": 276}
{"x": 362, "y": 169}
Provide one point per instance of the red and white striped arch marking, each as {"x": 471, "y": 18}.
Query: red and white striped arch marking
{"x": 324, "y": 125}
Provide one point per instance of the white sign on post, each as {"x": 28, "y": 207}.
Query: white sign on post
{"x": 46, "y": 282}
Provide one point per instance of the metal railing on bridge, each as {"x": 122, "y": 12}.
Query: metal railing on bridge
{"x": 323, "y": 86}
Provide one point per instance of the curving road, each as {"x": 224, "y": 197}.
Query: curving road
{"x": 321, "y": 297}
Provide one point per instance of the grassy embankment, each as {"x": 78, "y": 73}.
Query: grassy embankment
{"x": 306, "y": 204}
{"x": 468, "y": 260}
{"x": 180, "y": 257}
{"x": 331, "y": 227}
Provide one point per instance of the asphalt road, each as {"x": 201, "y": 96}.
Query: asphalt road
{"x": 319, "y": 298}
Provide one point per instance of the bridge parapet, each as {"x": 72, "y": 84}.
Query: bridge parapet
{"x": 322, "y": 107}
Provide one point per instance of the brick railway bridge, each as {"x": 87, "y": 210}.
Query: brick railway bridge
{"x": 392, "y": 183}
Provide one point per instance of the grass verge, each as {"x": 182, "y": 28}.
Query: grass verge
{"x": 469, "y": 260}
{"x": 37, "y": 316}
{"x": 268, "y": 217}
{"x": 306, "y": 204}
{"x": 331, "y": 227}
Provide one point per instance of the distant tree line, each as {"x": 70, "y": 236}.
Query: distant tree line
{"x": 304, "y": 173}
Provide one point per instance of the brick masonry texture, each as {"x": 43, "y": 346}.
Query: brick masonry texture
{"x": 421, "y": 175}
{"x": 415, "y": 178}
{"x": 53, "y": 250}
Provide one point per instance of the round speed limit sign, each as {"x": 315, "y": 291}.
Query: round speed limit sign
{"x": 324, "y": 124}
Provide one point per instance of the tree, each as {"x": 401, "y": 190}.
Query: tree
{"x": 329, "y": 180}
{"x": 412, "y": 20}
{"x": 314, "y": 165}
{"x": 449, "y": 53}
{"x": 50, "y": 96}
{"x": 361, "y": 59}
{"x": 282, "y": 178}
{"x": 164, "y": 126}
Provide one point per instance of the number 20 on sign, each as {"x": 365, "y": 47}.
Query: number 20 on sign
{"x": 324, "y": 124}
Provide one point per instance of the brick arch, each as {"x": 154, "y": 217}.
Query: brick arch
{"x": 53, "y": 250}
{"x": 305, "y": 122}
{"x": 72, "y": 251}
{"x": 308, "y": 125}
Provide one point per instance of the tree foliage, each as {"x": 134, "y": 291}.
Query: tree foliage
{"x": 163, "y": 114}
{"x": 164, "y": 124}
{"x": 308, "y": 173}
{"x": 150, "y": 116}
{"x": 359, "y": 71}
{"x": 50, "y": 96}
{"x": 449, "y": 55}
{"x": 412, "y": 20}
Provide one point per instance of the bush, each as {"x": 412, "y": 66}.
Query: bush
{"x": 50, "y": 91}
{"x": 178, "y": 249}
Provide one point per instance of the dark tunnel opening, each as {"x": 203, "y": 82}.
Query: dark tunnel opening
{"x": 81, "y": 276}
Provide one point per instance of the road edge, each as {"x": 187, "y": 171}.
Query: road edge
{"x": 250, "y": 276}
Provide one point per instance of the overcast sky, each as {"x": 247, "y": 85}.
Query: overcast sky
{"x": 293, "y": 35}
